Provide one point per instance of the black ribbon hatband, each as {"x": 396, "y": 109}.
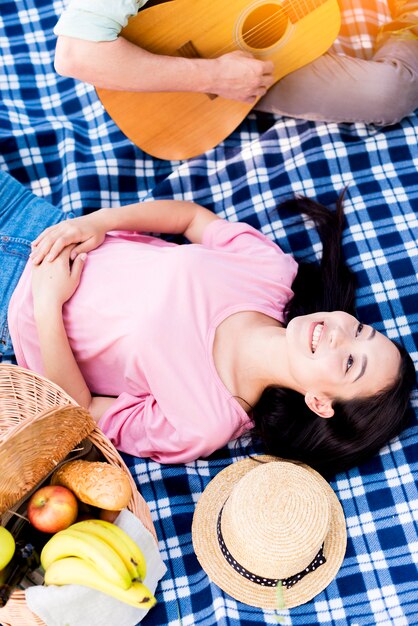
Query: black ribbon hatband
{"x": 287, "y": 583}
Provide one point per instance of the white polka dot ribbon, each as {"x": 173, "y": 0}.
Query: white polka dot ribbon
{"x": 289, "y": 582}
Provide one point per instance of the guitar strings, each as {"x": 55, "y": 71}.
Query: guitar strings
{"x": 271, "y": 21}
{"x": 260, "y": 29}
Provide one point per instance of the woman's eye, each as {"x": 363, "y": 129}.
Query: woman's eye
{"x": 350, "y": 362}
{"x": 359, "y": 329}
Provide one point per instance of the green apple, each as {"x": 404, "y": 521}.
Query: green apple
{"x": 7, "y": 547}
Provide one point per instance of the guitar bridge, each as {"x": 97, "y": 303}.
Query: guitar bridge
{"x": 189, "y": 51}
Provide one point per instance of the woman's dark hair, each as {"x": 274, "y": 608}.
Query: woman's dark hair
{"x": 283, "y": 423}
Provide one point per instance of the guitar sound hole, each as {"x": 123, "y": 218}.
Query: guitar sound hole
{"x": 264, "y": 26}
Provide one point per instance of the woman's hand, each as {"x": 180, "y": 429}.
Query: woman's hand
{"x": 87, "y": 232}
{"x": 54, "y": 282}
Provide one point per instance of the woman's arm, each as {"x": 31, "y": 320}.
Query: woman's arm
{"x": 122, "y": 65}
{"x": 52, "y": 285}
{"x": 88, "y": 232}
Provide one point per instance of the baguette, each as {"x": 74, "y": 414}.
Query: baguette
{"x": 96, "y": 483}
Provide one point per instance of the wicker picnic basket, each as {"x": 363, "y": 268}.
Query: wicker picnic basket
{"x": 40, "y": 425}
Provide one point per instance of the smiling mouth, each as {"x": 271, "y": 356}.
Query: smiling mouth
{"x": 316, "y": 335}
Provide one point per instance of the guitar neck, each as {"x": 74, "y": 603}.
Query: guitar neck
{"x": 298, "y": 9}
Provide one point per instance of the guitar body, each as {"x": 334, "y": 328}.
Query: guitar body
{"x": 179, "y": 125}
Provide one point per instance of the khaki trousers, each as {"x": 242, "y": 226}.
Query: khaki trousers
{"x": 338, "y": 88}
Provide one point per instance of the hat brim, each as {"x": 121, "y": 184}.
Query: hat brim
{"x": 210, "y": 557}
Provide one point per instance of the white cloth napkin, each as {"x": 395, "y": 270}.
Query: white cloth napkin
{"x": 74, "y": 605}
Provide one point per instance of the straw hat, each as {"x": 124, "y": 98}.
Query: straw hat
{"x": 259, "y": 523}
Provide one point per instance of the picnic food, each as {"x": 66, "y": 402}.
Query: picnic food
{"x": 120, "y": 541}
{"x": 71, "y": 570}
{"x": 93, "y": 554}
{"x": 7, "y": 547}
{"x": 90, "y": 548}
{"x": 52, "y": 508}
{"x": 25, "y": 557}
{"x": 96, "y": 483}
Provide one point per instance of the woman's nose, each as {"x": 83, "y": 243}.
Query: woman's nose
{"x": 337, "y": 337}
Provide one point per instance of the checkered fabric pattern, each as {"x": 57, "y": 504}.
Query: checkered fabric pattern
{"x": 57, "y": 140}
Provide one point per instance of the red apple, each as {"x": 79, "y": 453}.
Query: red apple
{"x": 52, "y": 508}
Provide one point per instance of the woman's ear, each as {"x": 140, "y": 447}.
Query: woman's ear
{"x": 320, "y": 405}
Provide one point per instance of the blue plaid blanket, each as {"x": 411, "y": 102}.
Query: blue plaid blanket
{"x": 57, "y": 140}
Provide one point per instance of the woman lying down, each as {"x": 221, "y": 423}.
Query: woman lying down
{"x": 177, "y": 349}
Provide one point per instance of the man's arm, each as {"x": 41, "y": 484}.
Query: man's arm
{"x": 121, "y": 65}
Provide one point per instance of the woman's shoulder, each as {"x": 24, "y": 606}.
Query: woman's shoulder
{"x": 241, "y": 237}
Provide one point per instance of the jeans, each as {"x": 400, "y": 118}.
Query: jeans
{"x": 23, "y": 216}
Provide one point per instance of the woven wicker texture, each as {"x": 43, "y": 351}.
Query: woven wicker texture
{"x": 25, "y": 395}
{"x": 35, "y": 448}
{"x": 39, "y": 425}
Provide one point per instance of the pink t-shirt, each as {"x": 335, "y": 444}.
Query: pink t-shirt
{"x": 141, "y": 325}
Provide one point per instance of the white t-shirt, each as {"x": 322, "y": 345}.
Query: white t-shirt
{"x": 96, "y": 20}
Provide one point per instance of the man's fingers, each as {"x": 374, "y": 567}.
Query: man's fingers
{"x": 268, "y": 68}
{"x": 258, "y": 94}
{"x": 240, "y": 76}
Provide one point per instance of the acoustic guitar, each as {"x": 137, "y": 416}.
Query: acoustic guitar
{"x": 179, "y": 125}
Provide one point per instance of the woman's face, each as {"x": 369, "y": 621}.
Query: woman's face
{"x": 334, "y": 355}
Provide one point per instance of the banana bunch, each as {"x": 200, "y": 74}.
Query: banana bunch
{"x": 100, "y": 555}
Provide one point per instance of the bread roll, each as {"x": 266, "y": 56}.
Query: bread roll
{"x": 96, "y": 483}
